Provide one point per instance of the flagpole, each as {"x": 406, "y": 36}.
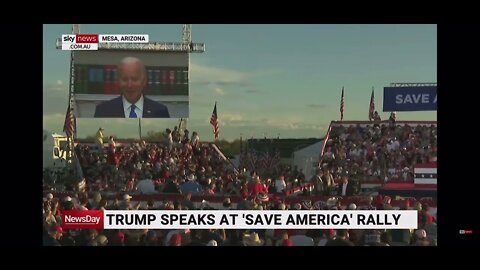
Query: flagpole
{"x": 215, "y": 137}
{"x": 214, "y": 122}
{"x": 69, "y": 105}
{"x": 342, "y": 105}
{"x": 70, "y": 139}
{"x": 371, "y": 109}
{"x": 180, "y": 129}
{"x": 140, "y": 128}
{"x": 180, "y": 126}
{"x": 241, "y": 143}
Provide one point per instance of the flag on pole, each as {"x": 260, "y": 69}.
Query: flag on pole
{"x": 214, "y": 121}
{"x": 342, "y": 106}
{"x": 70, "y": 125}
{"x": 371, "y": 111}
{"x": 426, "y": 175}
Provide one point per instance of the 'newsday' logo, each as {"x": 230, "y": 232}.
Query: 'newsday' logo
{"x": 82, "y": 219}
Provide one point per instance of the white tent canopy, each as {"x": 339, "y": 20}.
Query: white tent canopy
{"x": 307, "y": 159}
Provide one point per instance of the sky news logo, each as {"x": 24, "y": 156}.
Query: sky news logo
{"x": 89, "y": 42}
{"x": 83, "y": 42}
{"x": 82, "y": 219}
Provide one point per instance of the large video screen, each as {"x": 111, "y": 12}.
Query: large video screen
{"x": 108, "y": 82}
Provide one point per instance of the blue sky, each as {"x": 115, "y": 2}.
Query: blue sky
{"x": 268, "y": 80}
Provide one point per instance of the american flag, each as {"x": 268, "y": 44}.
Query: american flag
{"x": 70, "y": 125}
{"x": 371, "y": 111}
{"x": 214, "y": 121}
{"x": 342, "y": 106}
{"x": 426, "y": 175}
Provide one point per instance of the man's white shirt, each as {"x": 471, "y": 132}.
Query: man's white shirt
{"x": 138, "y": 107}
{"x": 344, "y": 189}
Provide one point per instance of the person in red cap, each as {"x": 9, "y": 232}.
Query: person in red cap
{"x": 287, "y": 243}
{"x": 424, "y": 217}
{"x": 257, "y": 187}
{"x": 176, "y": 240}
{"x": 328, "y": 234}
{"x": 342, "y": 239}
{"x": 118, "y": 240}
{"x": 51, "y": 239}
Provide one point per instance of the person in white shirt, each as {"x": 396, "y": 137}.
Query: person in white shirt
{"x": 280, "y": 184}
{"x": 146, "y": 186}
{"x": 169, "y": 138}
{"x": 195, "y": 139}
{"x": 111, "y": 144}
{"x": 300, "y": 239}
{"x": 328, "y": 181}
{"x": 345, "y": 189}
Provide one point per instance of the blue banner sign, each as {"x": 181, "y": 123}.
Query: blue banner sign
{"x": 411, "y": 98}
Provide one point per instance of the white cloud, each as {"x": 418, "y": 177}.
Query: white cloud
{"x": 224, "y": 76}
{"x": 215, "y": 75}
{"x": 293, "y": 123}
{"x": 58, "y": 85}
{"x": 231, "y": 119}
{"x": 317, "y": 127}
{"x": 286, "y": 123}
{"x": 219, "y": 91}
{"x": 54, "y": 116}
{"x": 267, "y": 72}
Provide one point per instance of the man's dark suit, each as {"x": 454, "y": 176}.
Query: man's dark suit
{"x": 114, "y": 109}
{"x": 348, "y": 190}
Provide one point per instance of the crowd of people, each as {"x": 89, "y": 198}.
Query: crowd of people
{"x": 379, "y": 152}
{"x": 55, "y": 235}
{"x": 185, "y": 166}
{"x": 179, "y": 164}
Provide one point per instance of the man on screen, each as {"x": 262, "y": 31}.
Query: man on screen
{"x": 132, "y": 103}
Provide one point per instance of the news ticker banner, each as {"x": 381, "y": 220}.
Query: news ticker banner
{"x": 240, "y": 219}
{"x": 415, "y": 98}
{"x": 89, "y": 42}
